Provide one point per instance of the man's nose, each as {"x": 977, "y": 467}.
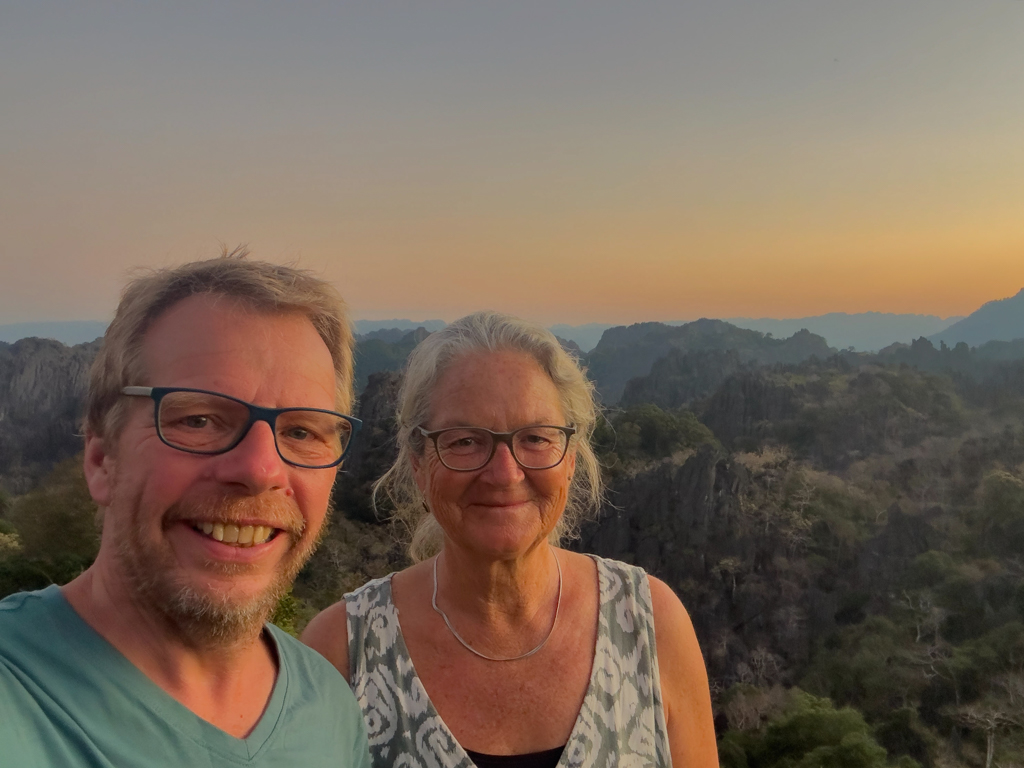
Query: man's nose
{"x": 254, "y": 463}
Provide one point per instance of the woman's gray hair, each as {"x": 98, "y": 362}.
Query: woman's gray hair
{"x": 487, "y": 332}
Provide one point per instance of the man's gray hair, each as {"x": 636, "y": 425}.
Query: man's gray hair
{"x": 257, "y": 285}
{"x": 487, "y": 332}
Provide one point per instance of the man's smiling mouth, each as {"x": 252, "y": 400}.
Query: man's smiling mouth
{"x": 236, "y": 535}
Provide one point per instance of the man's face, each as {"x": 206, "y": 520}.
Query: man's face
{"x": 159, "y": 500}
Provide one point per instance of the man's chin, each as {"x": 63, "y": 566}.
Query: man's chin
{"x": 217, "y": 619}
{"x": 212, "y": 605}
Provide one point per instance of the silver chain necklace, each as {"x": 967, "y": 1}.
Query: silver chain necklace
{"x": 471, "y": 649}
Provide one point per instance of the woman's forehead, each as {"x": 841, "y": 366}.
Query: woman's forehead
{"x": 496, "y": 387}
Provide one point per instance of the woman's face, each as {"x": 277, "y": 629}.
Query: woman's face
{"x": 500, "y": 510}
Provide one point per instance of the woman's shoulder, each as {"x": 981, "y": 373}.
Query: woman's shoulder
{"x": 619, "y": 578}
{"x": 372, "y": 592}
{"x": 609, "y": 565}
{"x": 328, "y": 631}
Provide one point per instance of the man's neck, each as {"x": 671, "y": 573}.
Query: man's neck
{"x": 228, "y": 685}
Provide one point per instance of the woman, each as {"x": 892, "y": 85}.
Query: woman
{"x": 497, "y": 647}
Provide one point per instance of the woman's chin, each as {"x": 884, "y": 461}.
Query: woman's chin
{"x": 501, "y": 544}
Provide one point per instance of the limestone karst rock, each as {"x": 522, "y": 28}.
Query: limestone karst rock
{"x": 42, "y": 398}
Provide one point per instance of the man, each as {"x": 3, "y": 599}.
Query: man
{"x": 213, "y": 436}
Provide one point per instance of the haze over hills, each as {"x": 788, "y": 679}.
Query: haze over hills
{"x": 1000, "y": 320}
{"x": 864, "y": 331}
{"x": 364, "y": 327}
{"x": 80, "y": 331}
{"x": 70, "y": 332}
{"x": 586, "y": 336}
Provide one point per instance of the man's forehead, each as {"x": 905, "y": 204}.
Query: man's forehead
{"x": 213, "y": 332}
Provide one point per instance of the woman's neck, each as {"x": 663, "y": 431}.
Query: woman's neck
{"x": 504, "y": 605}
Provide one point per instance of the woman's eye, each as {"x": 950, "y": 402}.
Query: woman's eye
{"x": 197, "y": 421}
{"x": 298, "y": 433}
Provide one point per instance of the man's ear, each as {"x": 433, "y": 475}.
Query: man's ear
{"x": 99, "y": 468}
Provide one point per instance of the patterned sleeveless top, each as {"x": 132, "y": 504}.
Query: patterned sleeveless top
{"x": 621, "y": 722}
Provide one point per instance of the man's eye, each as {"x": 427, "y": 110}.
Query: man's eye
{"x": 198, "y": 421}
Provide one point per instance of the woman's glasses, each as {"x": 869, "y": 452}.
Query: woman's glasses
{"x": 465, "y": 449}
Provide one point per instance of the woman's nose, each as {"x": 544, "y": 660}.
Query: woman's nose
{"x": 503, "y": 466}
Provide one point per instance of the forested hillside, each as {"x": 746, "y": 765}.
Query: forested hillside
{"x": 846, "y": 530}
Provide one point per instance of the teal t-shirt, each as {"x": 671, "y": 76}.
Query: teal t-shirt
{"x": 68, "y": 698}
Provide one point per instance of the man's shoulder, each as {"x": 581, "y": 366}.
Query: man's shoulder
{"x": 20, "y": 601}
{"x": 305, "y": 663}
{"x": 21, "y": 613}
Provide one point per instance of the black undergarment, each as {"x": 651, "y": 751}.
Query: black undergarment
{"x": 547, "y": 759}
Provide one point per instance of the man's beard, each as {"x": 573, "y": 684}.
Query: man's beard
{"x": 205, "y": 618}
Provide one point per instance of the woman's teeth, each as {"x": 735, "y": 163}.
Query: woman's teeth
{"x": 239, "y": 535}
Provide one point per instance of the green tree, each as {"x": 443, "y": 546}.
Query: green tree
{"x": 57, "y": 531}
{"x": 58, "y": 519}
{"x": 1001, "y": 515}
{"x": 646, "y": 432}
{"x": 810, "y": 733}
{"x": 289, "y": 614}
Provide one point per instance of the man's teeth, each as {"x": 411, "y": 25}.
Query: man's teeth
{"x": 242, "y": 536}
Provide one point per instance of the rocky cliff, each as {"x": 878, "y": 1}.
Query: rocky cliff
{"x": 374, "y": 449}
{"x": 737, "y": 544}
{"x": 682, "y": 377}
{"x": 42, "y": 395}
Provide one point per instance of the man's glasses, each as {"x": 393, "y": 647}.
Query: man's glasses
{"x": 465, "y": 449}
{"x": 208, "y": 423}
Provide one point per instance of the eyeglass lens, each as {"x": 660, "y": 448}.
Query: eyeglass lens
{"x": 533, "y": 447}
{"x": 207, "y": 423}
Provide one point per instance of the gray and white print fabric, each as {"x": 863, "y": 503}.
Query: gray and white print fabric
{"x": 621, "y": 722}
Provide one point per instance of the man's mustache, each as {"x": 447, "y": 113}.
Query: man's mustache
{"x": 266, "y": 509}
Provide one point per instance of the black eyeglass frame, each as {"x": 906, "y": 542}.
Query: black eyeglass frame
{"x": 256, "y": 413}
{"x": 498, "y": 438}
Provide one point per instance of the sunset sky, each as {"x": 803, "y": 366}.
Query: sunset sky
{"x": 565, "y": 161}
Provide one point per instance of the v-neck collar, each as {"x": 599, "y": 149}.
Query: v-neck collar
{"x": 175, "y": 714}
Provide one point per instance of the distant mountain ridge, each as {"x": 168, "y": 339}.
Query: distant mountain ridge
{"x": 626, "y": 352}
{"x": 70, "y": 332}
{"x": 864, "y": 331}
{"x": 999, "y": 320}
{"x": 586, "y": 336}
{"x": 364, "y": 327}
